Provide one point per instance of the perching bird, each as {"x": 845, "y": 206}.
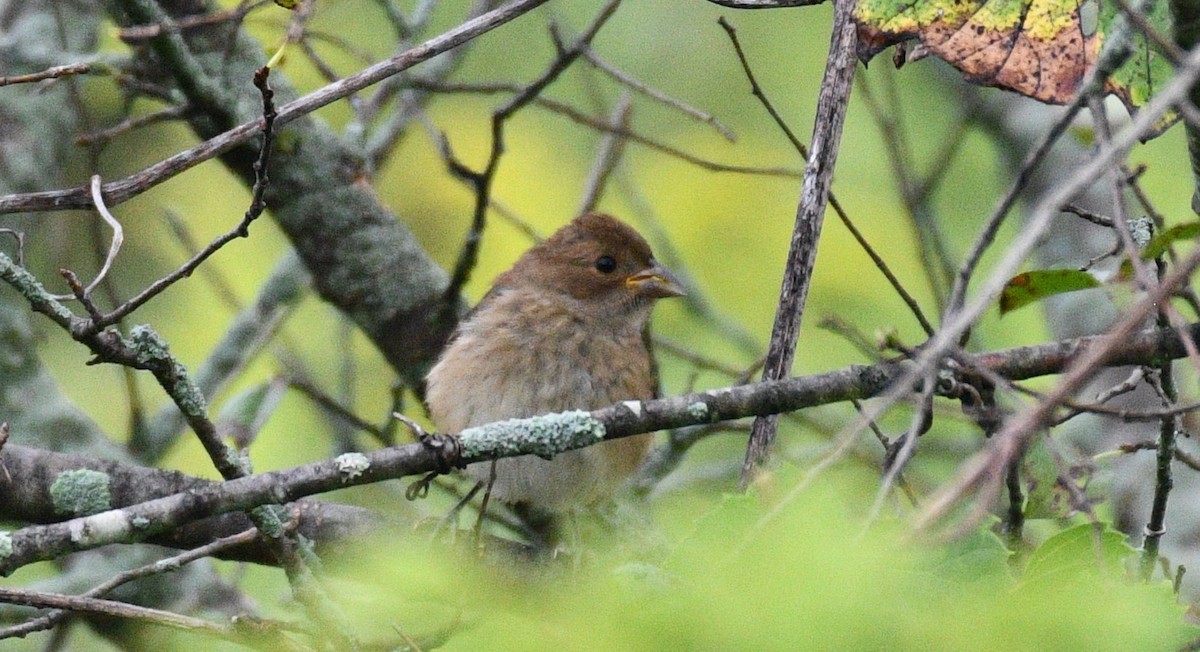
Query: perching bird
{"x": 566, "y": 328}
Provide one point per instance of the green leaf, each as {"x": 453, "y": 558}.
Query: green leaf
{"x": 1028, "y": 287}
{"x": 1044, "y": 498}
{"x": 1159, "y": 243}
{"x": 979, "y": 556}
{"x": 1146, "y": 71}
{"x": 1084, "y": 550}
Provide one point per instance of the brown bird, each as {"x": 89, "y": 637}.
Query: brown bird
{"x": 566, "y": 328}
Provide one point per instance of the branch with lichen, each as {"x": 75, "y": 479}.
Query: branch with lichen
{"x": 42, "y": 486}
{"x": 86, "y": 491}
{"x": 251, "y": 328}
{"x": 544, "y": 435}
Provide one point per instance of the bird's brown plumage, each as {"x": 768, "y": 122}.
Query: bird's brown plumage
{"x": 562, "y": 329}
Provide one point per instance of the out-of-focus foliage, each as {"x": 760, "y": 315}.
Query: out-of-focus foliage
{"x": 1028, "y": 287}
{"x": 789, "y": 573}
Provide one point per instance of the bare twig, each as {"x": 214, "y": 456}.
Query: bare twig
{"x": 1083, "y": 213}
{"x": 482, "y": 180}
{"x": 654, "y": 94}
{"x": 831, "y": 112}
{"x": 49, "y": 73}
{"x": 125, "y": 126}
{"x": 48, "y": 620}
{"x": 140, "y": 33}
{"x": 978, "y": 472}
{"x": 116, "y": 609}
{"x": 880, "y": 264}
{"x": 607, "y": 156}
{"x": 119, "y": 191}
{"x": 1111, "y": 57}
{"x": 936, "y": 259}
{"x": 327, "y": 402}
{"x": 578, "y": 117}
{"x": 1156, "y": 526}
{"x": 242, "y": 230}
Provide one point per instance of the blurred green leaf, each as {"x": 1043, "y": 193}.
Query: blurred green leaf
{"x": 1028, "y": 287}
{"x": 1159, "y": 243}
{"x": 1045, "y": 495}
{"x": 1084, "y": 549}
{"x": 977, "y": 556}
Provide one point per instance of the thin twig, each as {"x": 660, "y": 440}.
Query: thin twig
{"x": 608, "y": 154}
{"x": 139, "y": 33}
{"x": 652, "y": 93}
{"x": 936, "y": 261}
{"x": 116, "y": 609}
{"x": 49, "y": 73}
{"x": 482, "y": 180}
{"x": 880, "y": 264}
{"x": 1094, "y": 218}
{"x": 327, "y": 402}
{"x": 129, "y": 124}
{"x": 921, "y": 419}
{"x": 578, "y": 117}
{"x": 137, "y": 183}
{"x": 48, "y": 620}
{"x": 1111, "y": 57}
{"x": 242, "y": 230}
{"x": 978, "y": 472}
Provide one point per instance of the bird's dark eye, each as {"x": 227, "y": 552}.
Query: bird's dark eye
{"x": 606, "y": 264}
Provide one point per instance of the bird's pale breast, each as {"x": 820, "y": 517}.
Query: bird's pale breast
{"x": 522, "y": 355}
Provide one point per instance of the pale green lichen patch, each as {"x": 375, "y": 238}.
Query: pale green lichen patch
{"x": 239, "y": 459}
{"x": 544, "y": 436}
{"x": 1141, "y": 229}
{"x": 698, "y": 411}
{"x": 6, "y": 544}
{"x": 151, "y": 347}
{"x": 80, "y": 492}
{"x": 269, "y": 521}
{"x": 351, "y": 465}
{"x": 139, "y": 522}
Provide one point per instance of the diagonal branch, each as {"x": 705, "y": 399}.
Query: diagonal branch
{"x": 814, "y": 194}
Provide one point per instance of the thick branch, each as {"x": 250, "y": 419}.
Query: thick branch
{"x": 29, "y": 473}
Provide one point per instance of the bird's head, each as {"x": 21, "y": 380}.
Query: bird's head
{"x": 598, "y": 260}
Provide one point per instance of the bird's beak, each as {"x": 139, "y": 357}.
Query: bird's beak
{"x": 655, "y": 282}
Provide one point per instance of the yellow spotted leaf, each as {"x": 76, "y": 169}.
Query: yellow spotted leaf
{"x": 1038, "y": 48}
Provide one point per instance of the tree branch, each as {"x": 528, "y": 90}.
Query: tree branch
{"x": 810, "y": 213}
{"x": 546, "y": 435}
